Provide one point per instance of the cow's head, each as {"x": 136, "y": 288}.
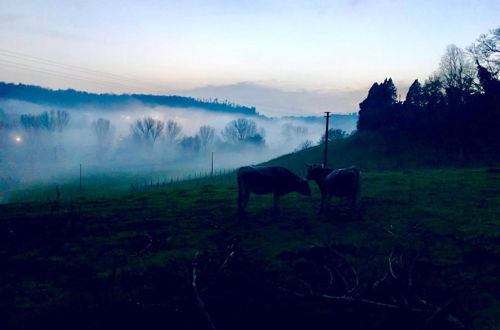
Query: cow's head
{"x": 303, "y": 187}
{"x": 315, "y": 171}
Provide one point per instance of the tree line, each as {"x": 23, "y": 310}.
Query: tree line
{"x": 40, "y": 135}
{"x": 73, "y": 98}
{"x": 457, "y": 107}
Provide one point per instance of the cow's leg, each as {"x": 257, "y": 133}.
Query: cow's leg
{"x": 322, "y": 204}
{"x": 328, "y": 199}
{"x": 243, "y": 197}
{"x": 276, "y": 203}
{"x": 355, "y": 205}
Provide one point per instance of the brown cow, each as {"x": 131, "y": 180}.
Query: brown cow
{"x": 274, "y": 180}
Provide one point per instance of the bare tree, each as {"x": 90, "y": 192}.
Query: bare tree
{"x": 457, "y": 71}
{"x": 102, "y": 129}
{"x": 191, "y": 144}
{"x": 58, "y": 120}
{"x": 172, "y": 131}
{"x": 242, "y": 130}
{"x": 486, "y": 51}
{"x": 206, "y": 135}
{"x": 290, "y": 130}
{"x": 147, "y": 130}
{"x": 305, "y": 145}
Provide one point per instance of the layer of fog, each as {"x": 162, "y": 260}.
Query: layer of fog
{"x": 272, "y": 101}
{"x": 29, "y": 155}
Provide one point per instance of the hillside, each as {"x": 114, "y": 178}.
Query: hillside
{"x": 73, "y": 98}
{"x": 128, "y": 262}
{"x": 375, "y": 152}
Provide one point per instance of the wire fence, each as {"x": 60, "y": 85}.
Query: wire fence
{"x": 222, "y": 176}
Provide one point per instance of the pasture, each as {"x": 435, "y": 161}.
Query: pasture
{"x": 128, "y": 261}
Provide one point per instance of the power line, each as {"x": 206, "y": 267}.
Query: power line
{"x": 64, "y": 66}
{"x": 65, "y": 75}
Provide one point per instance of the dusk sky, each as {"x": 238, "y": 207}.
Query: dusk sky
{"x": 296, "y": 57}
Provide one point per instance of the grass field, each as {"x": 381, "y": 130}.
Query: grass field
{"x": 112, "y": 184}
{"x": 127, "y": 261}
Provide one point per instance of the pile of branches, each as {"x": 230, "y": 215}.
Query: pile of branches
{"x": 394, "y": 299}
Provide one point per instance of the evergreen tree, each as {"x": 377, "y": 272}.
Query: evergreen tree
{"x": 414, "y": 97}
{"x": 376, "y": 110}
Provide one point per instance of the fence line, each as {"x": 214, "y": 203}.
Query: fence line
{"x": 186, "y": 180}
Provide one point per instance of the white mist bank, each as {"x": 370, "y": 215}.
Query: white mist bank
{"x": 37, "y": 155}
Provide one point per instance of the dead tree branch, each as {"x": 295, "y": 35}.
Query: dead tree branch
{"x": 197, "y": 296}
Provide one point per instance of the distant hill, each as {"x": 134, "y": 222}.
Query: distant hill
{"x": 73, "y": 98}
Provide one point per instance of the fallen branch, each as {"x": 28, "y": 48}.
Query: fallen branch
{"x": 390, "y": 265}
{"x": 197, "y": 296}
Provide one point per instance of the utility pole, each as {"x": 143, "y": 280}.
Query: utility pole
{"x": 80, "y": 178}
{"x": 325, "y": 157}
{"x": 212, "y": 170}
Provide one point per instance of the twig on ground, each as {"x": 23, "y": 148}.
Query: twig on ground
{"x": 197, "y": 296}
{"x": 150, "y": 242}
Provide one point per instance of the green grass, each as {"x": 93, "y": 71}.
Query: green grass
{"x": 375, "y": 152}
{"x": 84, "y": 252}
{"x": 111, "y": 184}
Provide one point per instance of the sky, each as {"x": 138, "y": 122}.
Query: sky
{"x": 287, "y": 57}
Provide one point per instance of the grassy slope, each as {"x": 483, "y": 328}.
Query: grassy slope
{"x": 374, "y": 152}
{"x": 83, "y": 255}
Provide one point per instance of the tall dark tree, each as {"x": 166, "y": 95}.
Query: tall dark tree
{"x": 432, "y": 93}
{"x": 489, "y": 84}
{"x": 414, "y": 97}
{"x": 377, "y": 110}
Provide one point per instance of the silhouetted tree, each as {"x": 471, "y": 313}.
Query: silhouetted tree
{"x": 206, "y": 134}
{"x": 457, "y": 74}
{"x": 305, "y": 145}
{"x": 489, "y": 84}
{"x": 147, "y": 130}
{"x": 172, "y": 132}
{"x": 334, "y": 134}
{"x": 101, "y": 128}
{"x": 243, "y": 130}
{"x": 414, "y": 97}
{"x": 432, "y": 93}
{"x": 486, "y": 51}
{"x": 377, "y": 110}
{"x": 290, "y": 130}
{"x": 191, "y": 144}
{"x": 102, "y": 131}
{"x": 48, "y": 121}
{"x": 59, "y": 120}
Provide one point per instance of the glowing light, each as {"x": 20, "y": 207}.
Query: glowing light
{"x": 18, "y": 139}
